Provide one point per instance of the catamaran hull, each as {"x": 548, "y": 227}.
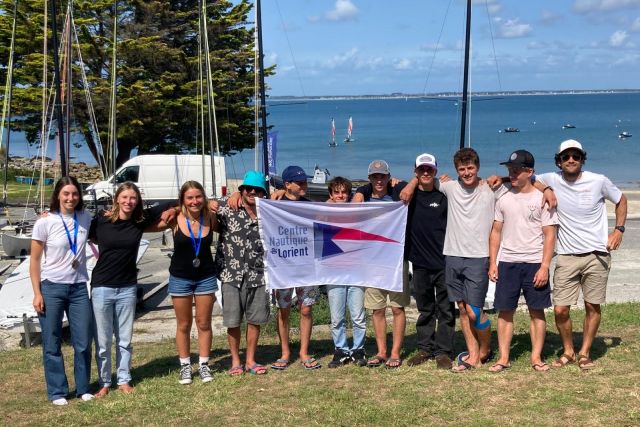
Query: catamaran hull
{"x": 16, "y": 245}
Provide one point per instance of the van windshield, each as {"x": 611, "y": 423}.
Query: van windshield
{"x": 129, "y": 173}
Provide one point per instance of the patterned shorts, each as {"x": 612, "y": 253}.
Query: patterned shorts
{"x": 307, "y": 295}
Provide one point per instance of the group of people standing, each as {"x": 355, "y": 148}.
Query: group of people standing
{"x": 461, "y": 233}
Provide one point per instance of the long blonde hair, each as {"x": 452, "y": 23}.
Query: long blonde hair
{"x": 205, "y": 205}
{"x": 137, "y": 214}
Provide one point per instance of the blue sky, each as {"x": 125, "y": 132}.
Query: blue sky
{"x": 354, "y": 47}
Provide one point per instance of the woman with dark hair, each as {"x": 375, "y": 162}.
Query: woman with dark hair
{"x": 59, "y": 285}
{"x": 114, "y": 281}
{"x": 192, "y": 277}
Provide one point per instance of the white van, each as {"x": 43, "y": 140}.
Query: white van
{"x": 160, "y": 176}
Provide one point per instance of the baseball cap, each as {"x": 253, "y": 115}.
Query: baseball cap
{"x": 570, "y": 143}
{"x": 426, "y": 159}
{"x": 294, "y": 174}
{"x": 378, "y": 166}
{"x": 520, "y": 158}
{"x": 253, "y": 179}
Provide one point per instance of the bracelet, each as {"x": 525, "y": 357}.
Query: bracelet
{"x": 548, "y": 187}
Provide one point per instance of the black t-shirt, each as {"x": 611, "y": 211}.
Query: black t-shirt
{"x": 367, "y": 191}
{"x": 426, "y": 226}
{"x": 183, "y": 255}
{"x": 118, "y": 243}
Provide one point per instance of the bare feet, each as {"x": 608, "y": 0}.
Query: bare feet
{"x": 102, "y": 392}
{"x": 126, "y": 388}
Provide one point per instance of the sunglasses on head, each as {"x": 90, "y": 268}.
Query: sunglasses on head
{"x": 575, "y": 156}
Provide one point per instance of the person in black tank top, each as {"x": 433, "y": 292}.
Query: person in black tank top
{"x": 193, "y": 278}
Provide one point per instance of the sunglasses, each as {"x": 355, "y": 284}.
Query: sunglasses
{"x": 517, "y": 170}
{"x": 575, "y": 156}
{"x": 256, "y": 190}
{"x": 425, "y": 169}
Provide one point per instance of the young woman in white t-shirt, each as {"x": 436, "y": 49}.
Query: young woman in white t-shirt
{"x": 59, "y": 275}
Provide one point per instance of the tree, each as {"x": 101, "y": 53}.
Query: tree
{"x": 157, "y": 71}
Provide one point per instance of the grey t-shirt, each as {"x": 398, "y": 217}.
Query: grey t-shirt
{"x": 469, "y": 218}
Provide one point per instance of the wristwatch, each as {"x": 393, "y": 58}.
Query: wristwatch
{"x": 620, "y": 228}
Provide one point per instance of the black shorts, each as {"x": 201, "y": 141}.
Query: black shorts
{"x": 516, "y": 277}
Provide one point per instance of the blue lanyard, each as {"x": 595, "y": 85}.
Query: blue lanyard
{"x": 73, "y": 245}
{"x": 196, "y": 247}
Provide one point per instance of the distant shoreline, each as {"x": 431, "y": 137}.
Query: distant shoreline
{"x": 280, "y": 98}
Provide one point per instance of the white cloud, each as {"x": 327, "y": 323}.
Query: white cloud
{"x": 494, "y": 6}
{"x": 348, "y": 57}
{"x": 549, "y": 18}
{"x": 618, "y": 38}
{"x": 343, "y": 10}
{"x": 402, "y": 64}
{"x": 442, "y": 46}
{"x": 537, "y": 45}
{"x": 588, "y": 6}
{"x": 635, "y": 27}
{"x": 512, "y": 28}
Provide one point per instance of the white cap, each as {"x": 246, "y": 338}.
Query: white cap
{"x": 569, "y": 143}
{"x": 426, "y": 159}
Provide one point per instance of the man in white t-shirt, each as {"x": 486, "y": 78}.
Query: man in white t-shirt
{"x": 584, "y": 246}
{"x": 527, "y": 234}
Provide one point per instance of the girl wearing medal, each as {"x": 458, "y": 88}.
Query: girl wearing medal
{"x": 59, "y": 275}
{"x": 192, "y": 278}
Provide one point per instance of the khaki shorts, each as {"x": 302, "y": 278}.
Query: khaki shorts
{"x": 375, "y": 298}
{"x": 588, "y": 272}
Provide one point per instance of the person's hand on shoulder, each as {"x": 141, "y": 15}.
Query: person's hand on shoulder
{"x": 549, "y": 198}
{"x": 494, "y": 181}
{"x": 407, "y": 192}
{"x": 444, "y": 178}
{"x": 277, "y": 195}
{"x": 169, "y": 216}
{"x": 214, "y": 206}
{"x": 234, "y": 201}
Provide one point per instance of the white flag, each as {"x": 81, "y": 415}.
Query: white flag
{"x": 308, "y": 244}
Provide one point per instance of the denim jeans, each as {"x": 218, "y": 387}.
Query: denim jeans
{"x": 432, "y": 301}
{"x": 339, "y": 298}
{"x": 114, "y": 310}
{"x": 74, "y": 300}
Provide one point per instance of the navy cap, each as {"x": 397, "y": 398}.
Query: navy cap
{"x": 294, "y": 174}
{"x": 520, "y": 158}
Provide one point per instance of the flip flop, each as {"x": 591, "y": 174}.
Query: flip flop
{"x": 463, "y": 367}
{"x": 498, "y": 367}
{"x": 541, "y": 367}
{"x": 311, "y": 364}
{"x": 280, "y": 364}
{"x": 236, "y": 370}
{"x": 563, "y": 361}
{"x": 460, "y": 357}
{"x": 257, "y": 369}
{"x": 585, "y": 363}
{"x": 393, "y": 363}
{"x": 376, "y": 361}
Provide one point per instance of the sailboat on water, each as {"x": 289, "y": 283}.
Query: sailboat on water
{"x": 349, "y": 137}
{"x": 333, "y": 134}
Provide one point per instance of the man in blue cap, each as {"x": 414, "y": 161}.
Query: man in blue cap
{"x": 239, "y": 259}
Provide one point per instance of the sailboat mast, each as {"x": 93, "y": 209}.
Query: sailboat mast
{"x": 465, "y": 84}
{"x": 58, "y": 107}
{"x": 68, "y": 80}
{"x": 10, "y": 95}
{"x": 263, "y": 96}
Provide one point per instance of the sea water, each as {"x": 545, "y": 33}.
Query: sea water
{"x": 397, "y": 130}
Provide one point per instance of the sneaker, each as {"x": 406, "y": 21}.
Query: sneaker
{"x": 60, "y": 402}
{"x": 185, "y": 374}
{"x": 359, "y": 357}
{"x": 443, "y": 361}
{"x": 339, "y": 358}
{"x": 205, "y": 373}
{"x": 87, "y": 397}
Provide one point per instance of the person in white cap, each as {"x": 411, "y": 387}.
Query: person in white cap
{"x": 584, "y": 246}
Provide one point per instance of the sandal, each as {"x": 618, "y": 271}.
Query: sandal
{"x": 541, "y": 367}
{"x": 463, "y": 367}
{"x": 393, "y": 363}
{"x": 257, "y": 369}
{"x": 376, "y": 361}
{"x": 280, "y": 364}
{"x": 311, "y": 364}
{"x": 585, "y": 363}
{"x": 498, "y": 367}
{"x": 563, "y": 361}
{"x": 236, "y": 370}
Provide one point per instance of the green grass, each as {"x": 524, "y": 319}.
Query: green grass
{"x": 607, "y": 395}
{"x": 23, "y": 193}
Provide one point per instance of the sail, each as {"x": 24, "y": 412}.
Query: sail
{"x": 333, "y": 130}
{"x": 349, "y": 127}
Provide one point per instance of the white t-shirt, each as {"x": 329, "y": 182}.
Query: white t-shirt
{"x": 582, "y": 213}
{"x": 469, "y": 218}
{"x": 58, "y": 258}
{"x": 523, "y": 219}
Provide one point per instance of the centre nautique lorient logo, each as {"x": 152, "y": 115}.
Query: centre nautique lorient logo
{"x": 295, "y": 241}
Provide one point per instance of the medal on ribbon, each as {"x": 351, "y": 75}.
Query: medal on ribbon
{"x": 196, "y": 245}
{"x": 73, "y": 245}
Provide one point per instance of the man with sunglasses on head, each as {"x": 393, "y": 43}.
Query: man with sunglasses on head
{"x": 239, "y": 261}
{"x": 583, "y": 247}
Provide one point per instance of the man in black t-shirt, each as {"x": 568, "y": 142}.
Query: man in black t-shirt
{"x": 426, "y": 225}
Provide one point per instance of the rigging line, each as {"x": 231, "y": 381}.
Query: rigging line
{"x": 256, "y": 94}
{"x": 7, "y": 104}
{"x": 293, "y": 58}
{"x": 45, "y": 84}
{"x": 112, "y": 144}
{"x": 211, "y": 106}
{"x": 200, "y": 130}
{"x": 435, "y": 51}
{"x": 493, "y": 46}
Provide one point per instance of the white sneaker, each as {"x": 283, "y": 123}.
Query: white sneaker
{"x": 87, "y": 397}
{"x": 185, "y": 374}
{"x": 60, "y": 402}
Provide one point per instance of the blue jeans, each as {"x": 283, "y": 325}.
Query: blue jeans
{"x": 339, "y": 298}
{"x": 74, "y": 300}
{"x": 114, "y": 310}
